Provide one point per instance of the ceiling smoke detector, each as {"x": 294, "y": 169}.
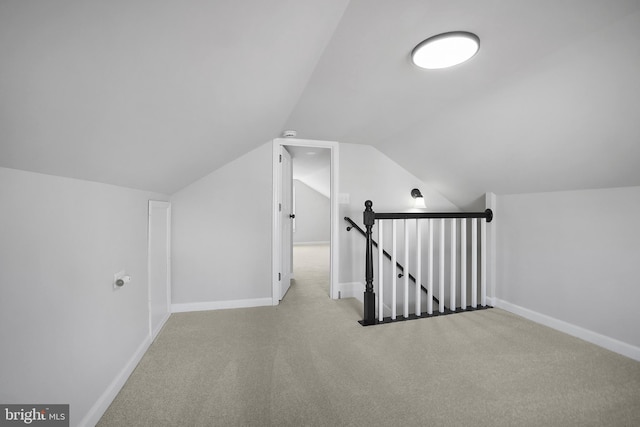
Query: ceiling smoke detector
{"x": 289, "y": 134}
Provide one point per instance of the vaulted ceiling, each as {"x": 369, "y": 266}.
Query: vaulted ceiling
{"x": 156, "y": 94}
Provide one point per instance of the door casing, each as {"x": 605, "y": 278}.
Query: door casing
{"x": 276, "y": 234}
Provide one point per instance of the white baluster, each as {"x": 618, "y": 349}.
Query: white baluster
{"x": 380, "y": 271}
{"x": 394, "y": 272}
{"x": 418, "y": 266}
{"x": 474, "y": 263}
{"x": 463, "y": 263}
{"x": 483, "y": 260}
{"x": 406, "y": 269}
{"x": 430, "y": 268}
{"x": 441, "y": 269}
{"x": 452, "y": 284}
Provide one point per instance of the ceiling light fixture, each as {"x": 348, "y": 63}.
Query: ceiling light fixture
{"x": 445, "y": 50}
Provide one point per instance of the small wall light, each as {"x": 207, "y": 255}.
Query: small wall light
{"x": 120, "y": 279}
{"x": 419, "y": 200}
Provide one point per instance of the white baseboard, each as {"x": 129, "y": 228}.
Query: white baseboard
{"x": 604, "y": 341}
{"x": 220, "y": 305}
{"x": 155, "y": 332}
{"x": 102, "y": 404}
{"x": 356, "y": 290}
{"x": 310, "y": 243}
{"x": 351, "y": 290}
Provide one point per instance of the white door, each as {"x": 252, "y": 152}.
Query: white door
{"x": 286, "y": 219}
{"x": 159, "y": 265}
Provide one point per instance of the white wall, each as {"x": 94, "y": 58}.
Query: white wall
{"x": 573, "y": 256}
{"x": 222, "y": 237}
{"x": 66, "y": 334}
{"x": 222, "y": 234}
{"x": 313, "y": 215}
{"x": 366, "y": 173}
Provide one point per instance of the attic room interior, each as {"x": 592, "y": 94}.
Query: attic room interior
{"x": 141, "y": 237}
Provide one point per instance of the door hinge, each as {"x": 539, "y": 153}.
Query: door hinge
{"x": 280, "y": 158}
{"x": 279, "y": 207}
{"x": 279, "y": 276}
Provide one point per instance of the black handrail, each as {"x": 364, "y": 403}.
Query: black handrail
{"x": 386, "y": 254}
{"x": 487, "y": 214}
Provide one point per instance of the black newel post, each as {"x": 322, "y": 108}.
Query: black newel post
{"x": 369, "y": 295}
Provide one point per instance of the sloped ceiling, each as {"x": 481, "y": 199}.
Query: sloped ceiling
{"x": 154, "y": 95}
{"x": 312, "y": 166}
{"x": 151, "y": 94}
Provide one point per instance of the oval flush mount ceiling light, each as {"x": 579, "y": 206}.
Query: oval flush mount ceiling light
{"x": 445, "y": 50}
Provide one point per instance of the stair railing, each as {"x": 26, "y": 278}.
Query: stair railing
{"x": 369, "y": 219}
{"x": 400, "y": 267}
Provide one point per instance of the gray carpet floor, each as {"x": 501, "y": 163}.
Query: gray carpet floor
{"x": 307, "y": 362}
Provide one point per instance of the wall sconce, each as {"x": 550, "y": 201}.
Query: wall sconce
{"x": 419, "y": 200}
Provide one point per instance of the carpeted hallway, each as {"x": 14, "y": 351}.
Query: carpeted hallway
{"x": 307, "y": 362}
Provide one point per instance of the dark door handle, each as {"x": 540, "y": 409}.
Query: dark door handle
{"x": 292, "y": 216}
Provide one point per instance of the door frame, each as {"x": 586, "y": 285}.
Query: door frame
{"x": 159, "y": 204}
{"x": 276, "y": 233}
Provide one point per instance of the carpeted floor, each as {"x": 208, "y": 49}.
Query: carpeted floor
{"x": 307, "y": 362}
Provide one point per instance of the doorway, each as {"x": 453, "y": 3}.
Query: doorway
{"x": 316, "y": 162}
{"x": 311, "y": 224}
